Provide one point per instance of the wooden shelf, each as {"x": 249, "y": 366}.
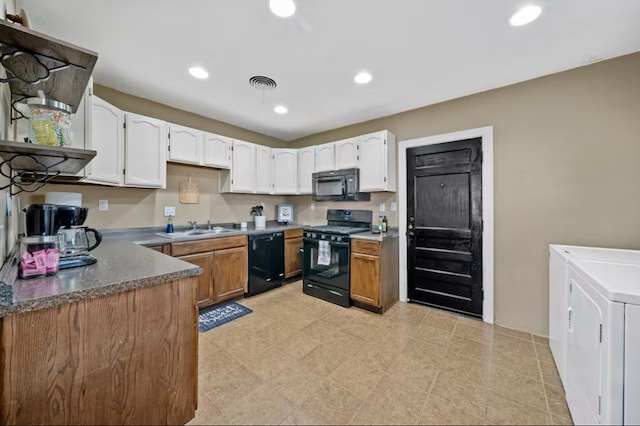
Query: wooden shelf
{"x": 34, "y": 157}
{"x": 28, "y": 56}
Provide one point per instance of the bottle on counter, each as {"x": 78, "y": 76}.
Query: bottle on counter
{"x": 384, "y": 224}
{"x": 169, "y": 229}
{"x": 380, "y": 223}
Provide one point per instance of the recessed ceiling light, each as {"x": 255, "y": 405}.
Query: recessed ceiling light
{"x": 281, "y": 109}
{"x": 198, "y": 72}
{"x": 362, "y": 77}
{"x": 282, "y": 8}
{"x": 525, "y": 15}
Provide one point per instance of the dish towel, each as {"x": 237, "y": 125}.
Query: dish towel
{"x": 324, "y": 253}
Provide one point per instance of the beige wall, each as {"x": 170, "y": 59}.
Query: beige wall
{"x": 567, "y": 153}
{"x": 132, "y": 207}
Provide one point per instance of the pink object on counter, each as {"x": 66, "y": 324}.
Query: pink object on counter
{"x": 40, "y": 262}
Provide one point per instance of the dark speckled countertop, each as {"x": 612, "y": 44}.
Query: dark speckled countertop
{"x": 392, "y": 233}
{"x": 122, "y": 265}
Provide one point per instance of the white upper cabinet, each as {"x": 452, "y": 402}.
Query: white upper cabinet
{"x": 347, "y": 153}
{"x": 306, "y": 167}
{"x": 217, "y": 151}
{"x": 378, "y": 162}
{"x": 264, "y": 174}
{"x": 185, "y": 144}
{"x": 285, "y": 167}
{"x": 145, "y": 152}
{"x": 242, "y": 176}
{"x": 107, "y": 139}
{"x": 325, "y": 157}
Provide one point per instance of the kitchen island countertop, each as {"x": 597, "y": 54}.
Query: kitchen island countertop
{"x": 121, "y": 266}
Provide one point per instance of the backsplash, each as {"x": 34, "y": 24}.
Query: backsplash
{"x": 134, "y": 207}
{"x": 304, "y": 214}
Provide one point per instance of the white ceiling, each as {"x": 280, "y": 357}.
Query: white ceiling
{"x": 420, "y": 52}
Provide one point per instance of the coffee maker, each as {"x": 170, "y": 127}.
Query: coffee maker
{"x": 75, "y": 238}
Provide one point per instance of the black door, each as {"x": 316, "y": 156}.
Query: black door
{"x": 444, "y": 221}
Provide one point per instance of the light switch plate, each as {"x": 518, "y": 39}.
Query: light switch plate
{"x": 394, "y": 207}
{"x": 169, "y": 211}
{"x": 382, "y": 207}
{"x": 103, "y": 205}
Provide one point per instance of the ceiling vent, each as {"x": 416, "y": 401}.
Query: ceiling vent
{"x": 263, "y": 83}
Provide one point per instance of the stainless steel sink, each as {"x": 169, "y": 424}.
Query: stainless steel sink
{"x": 195, "y": 232}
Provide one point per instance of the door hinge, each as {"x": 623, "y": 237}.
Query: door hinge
{"x": 599, "y": 404}
{"x": 231, "y": 148}
{"x": 570, "y": 287}
{"x": 124, "y": 124}
{"x": 90, "y": 92}
{"x": 232, "y": 181}
{"x": 123, "y": 171}
{"x": 168, "y": 135}
{"x": 385, "y": 178}
{"x": 169, "y": 148}
{"x": 357, "y": 157}
{"x": 600, "y": 333}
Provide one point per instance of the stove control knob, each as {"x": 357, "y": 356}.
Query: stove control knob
{"x": 313, "y": 235}
{"x": 339, "y": 239}
{"x": 333, "y": 238}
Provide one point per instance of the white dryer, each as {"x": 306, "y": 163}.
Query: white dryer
{"x": 595, "y": 338}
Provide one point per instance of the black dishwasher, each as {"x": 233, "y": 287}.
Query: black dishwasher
{"x": 266, "y": 262}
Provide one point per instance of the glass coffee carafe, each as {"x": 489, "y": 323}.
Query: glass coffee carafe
{"x": 76, "y": 242}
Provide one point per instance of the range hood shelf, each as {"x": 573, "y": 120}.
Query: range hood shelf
{"x": 36, "y": 61}
{"x": 31, "y": 166}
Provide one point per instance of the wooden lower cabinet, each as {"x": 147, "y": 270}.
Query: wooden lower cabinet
{"x": 374, "y": 274}
{"x": 204, "y": 290}
{"x": 125, "y": 358}
{"x": 230, "y": 273}
{"x": 162, "y": 248}
{"x": 365, "y": 279}
{"x": 292, "y": 246}
{"x": 225, "y": 267}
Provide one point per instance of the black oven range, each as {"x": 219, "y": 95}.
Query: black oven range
{"x": 326, "y": 253}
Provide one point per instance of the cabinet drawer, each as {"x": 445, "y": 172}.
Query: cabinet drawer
{"x": 293, "y": 233}
{"x": 189, "y": 247}
{"x": 366, "y": 247}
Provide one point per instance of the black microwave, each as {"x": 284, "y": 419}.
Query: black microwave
{"x": 338, "y": 185}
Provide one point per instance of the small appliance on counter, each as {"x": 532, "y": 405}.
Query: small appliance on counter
{"x": 74, "y": 237}
{"x": 284, "y": 213}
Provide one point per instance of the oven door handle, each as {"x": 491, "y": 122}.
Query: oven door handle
{"x": 331, "y": 243}
{"x": 337, "y": 293}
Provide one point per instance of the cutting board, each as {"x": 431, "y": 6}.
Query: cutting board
{"x": 189, "y": 192}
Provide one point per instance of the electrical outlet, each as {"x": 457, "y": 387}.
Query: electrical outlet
{"x": 169, "y": 211}
{"x": 394, "y": 207}
{"x": 312, "y": 206}
{"x": 382, "y": 207}
{"x": 103, "y": 205}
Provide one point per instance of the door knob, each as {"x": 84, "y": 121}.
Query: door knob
{"x": 411, "y": 220}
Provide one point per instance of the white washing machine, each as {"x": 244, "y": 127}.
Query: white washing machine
{"x": 596, "y": 334}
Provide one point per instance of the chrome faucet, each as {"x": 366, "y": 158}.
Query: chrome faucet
{"x": 209, "y": 225}
{"x": 193, "y": 224}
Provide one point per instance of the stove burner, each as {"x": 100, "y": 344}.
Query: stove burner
{"x": 332, "y": 229}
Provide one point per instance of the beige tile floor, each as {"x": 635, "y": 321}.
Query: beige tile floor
{"x": 300, "y": 360}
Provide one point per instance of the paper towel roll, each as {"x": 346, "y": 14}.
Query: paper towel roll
{"x": 63, "y": 198}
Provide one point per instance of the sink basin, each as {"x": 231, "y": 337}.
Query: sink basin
{"x": 195, "y": 232}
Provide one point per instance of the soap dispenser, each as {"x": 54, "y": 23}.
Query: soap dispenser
{"x": 169, "y": 229}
